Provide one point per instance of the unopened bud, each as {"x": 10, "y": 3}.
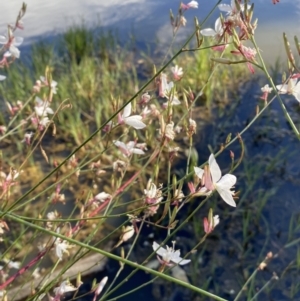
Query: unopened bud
{"x": 172, "y": 17}
{"x": 289, "y": 52}
{"x": 228, "y": 138}
{"x": 192, "y": 127}
{"x": 128, "y": 232}
{"x": 297, "y": 44}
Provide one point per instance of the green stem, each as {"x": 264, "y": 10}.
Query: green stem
{"x": 285, "y": 112}
{"x": 117, "y": 258}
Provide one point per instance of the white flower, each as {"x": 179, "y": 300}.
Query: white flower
{"x": 193, "y": 4}
{"x": 65, "y": 287}
{"x": 43, "y": 122}
{"x": 169, "y": 131}
{"x": 292, "y": 87}
{"x": 52, "y": 85}
{"x": 61, "y": 246}
{"x": 42, "y": 108}
{"x": 12, "y": 44}
{"x": 14, "y": 265}
{"x": 153, "y": 195}
{"x": 164, "y": 87}
{"x": 266, "y": 89}
{"x": 216, "y": 33}
{"x": 169, "y": 255}
{"x": 102, "y": 196}
{"x": 129, "y": 148}
{"x": 100, "y": 287}
{"x": 216, "y": 181}
{"x": 2, "y": 77}
{"x": 134, "y": 120}
{"x": 177, "y": 72}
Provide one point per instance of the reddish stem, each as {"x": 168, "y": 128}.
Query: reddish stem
{"x": 24, "y": 269}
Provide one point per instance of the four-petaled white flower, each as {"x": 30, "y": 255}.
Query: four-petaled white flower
{"x": 214, "y": 180}
{"x": 216, "y": 33}
{"x": 129, "y": 148}
{"x": 65, "y": 287}
{"x": 169, "y": 256}
{"x": 134, "y": 120}
{"x": 292, "y": 87}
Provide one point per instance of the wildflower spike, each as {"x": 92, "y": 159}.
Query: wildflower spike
{"x": 289, "y": 52}
{"x": 297, "y": 44}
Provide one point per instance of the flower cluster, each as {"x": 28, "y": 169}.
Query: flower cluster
{"x": 237, "y": 25}
{"x": 180, "y": 20}
{"x": 42, "y": 109}
{"x": 10, "y": 42}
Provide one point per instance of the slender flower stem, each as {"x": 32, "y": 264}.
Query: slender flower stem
{"x": 285, "y": 112}
{"x": 114, "y": 257}
{"x": 274, "y": 277}
{"x": 24, "y": 269}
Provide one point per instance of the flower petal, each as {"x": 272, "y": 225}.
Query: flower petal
{"x": 120, "y": 144}
{"x": 208, "y": 32}
{"x": 225, "y": 7}
{"x": 158, "y": 249}
{"x": 135, "y": 121}
{"x": 218, "y": 26}
{"x": 214, "y": 168}
{"x": 199, "y": 172}
{"x": 282, "y": 89}
{"x": 3, "y": 40}
{"x": 137, "y": 151}
{"x": 227, "y": 181}
{"x": 18, "y": 41}
{"x": 179, "y": 260}
{"x": 127, "y": 111}
{"x": 226, "y": 195}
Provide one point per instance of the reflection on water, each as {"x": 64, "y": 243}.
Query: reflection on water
{"x": 148, "y": 19}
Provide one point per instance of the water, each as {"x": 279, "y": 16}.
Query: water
{"x": 148, "y": 19}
